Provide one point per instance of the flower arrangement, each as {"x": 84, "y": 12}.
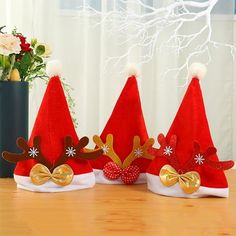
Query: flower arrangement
{"x": 21, "y": 60}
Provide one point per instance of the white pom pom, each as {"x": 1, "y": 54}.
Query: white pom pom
{"x": 132, "y": 69}
{"x": 197, "y": 70}
{"x": 54, "y": 68}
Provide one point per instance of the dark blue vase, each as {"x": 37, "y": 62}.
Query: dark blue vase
{"x": 13, "y": 120}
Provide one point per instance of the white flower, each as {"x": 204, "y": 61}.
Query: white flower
{"x": 9, "y": 44}
{"x": 70, "y": 151}
{"x": 199, "y": 159}
{"x": 33, "y": 152}
{"x": 168, "y": 151}
{"x": 105, "y": 148}
{"x": 138, "y": 152}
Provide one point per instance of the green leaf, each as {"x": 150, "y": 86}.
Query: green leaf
{"x": 24, "y": 64}
{"x": 38, "y": 59}
{"x": 1, "y": 58}
{"x": 33, "y": 42}
{"x": 5, "y": 62}
{"x": 1, "y": 28}
{"x": 40, "y": 50}
{"x": 37, "y": 68}
{"x": 14, "y": 31}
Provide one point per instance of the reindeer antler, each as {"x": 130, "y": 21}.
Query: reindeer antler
{"x": 107, "y": 148}
{"x": 77, "y": 151}
{"x": 139, "y": 151}
{"x": 28, "y": 152}
{"x": 167, "y": 149}
{"x": 15, "y": 157}
{"x": 200, "y": 158}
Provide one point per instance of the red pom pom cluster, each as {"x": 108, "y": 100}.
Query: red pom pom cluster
{"x": 129, "y": 175}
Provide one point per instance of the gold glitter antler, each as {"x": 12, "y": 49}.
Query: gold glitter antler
{"x": 139, "y": 151}
{"x": 107, "y": 148}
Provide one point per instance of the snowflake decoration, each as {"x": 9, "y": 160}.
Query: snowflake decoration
{"x": 168, "y": 151}
{"x": 105, "y": 149}
{"x": 138, "y": 152}
{"x": 199, "y": 159}
{"x": 70, "y": 152}
{"x": 33, "y": 152}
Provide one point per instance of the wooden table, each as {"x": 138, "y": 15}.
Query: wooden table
{"x": 114, "y": 210}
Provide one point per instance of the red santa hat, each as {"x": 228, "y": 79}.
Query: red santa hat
{"x": 53, "y": 160}
{"x": 124, "y": 141}
{"x": 186, "y": 164}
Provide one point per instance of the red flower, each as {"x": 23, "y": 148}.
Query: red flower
{"x": 25, "y": 47}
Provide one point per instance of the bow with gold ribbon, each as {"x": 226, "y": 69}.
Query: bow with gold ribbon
{"x": 189, "y": 181}
{"x": 61, "y": 175}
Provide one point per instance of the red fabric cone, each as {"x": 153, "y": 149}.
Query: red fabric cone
{"x": 125, "y": 122}
{"x": 189, "y": 125}
{"x": 53, "y": 124}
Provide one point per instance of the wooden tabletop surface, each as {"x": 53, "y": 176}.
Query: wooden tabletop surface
{"x": 114, "y": 210}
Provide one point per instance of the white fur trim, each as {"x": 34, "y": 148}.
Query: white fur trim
{"x": 154, "y": 184}
{"x": 54, "y": 68}
{"x": 79, "y": 182}
{"x": 198, "y": 70}
{"x": 101, "y": 179}
{"x": 132, "y": 69}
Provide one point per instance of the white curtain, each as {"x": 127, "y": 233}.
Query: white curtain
{"x": 84, "y": 44}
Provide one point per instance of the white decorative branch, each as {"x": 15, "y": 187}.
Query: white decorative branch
{"x": 141, "y": 29}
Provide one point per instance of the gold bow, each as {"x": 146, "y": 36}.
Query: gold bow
{"x": 61, "y": 175}
{"x": 189, "y": 182}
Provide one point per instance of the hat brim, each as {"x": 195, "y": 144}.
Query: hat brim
{"x": 101, "y": 179}
{"x": 81, "y": 181}
{"x": 154, "y": 184}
